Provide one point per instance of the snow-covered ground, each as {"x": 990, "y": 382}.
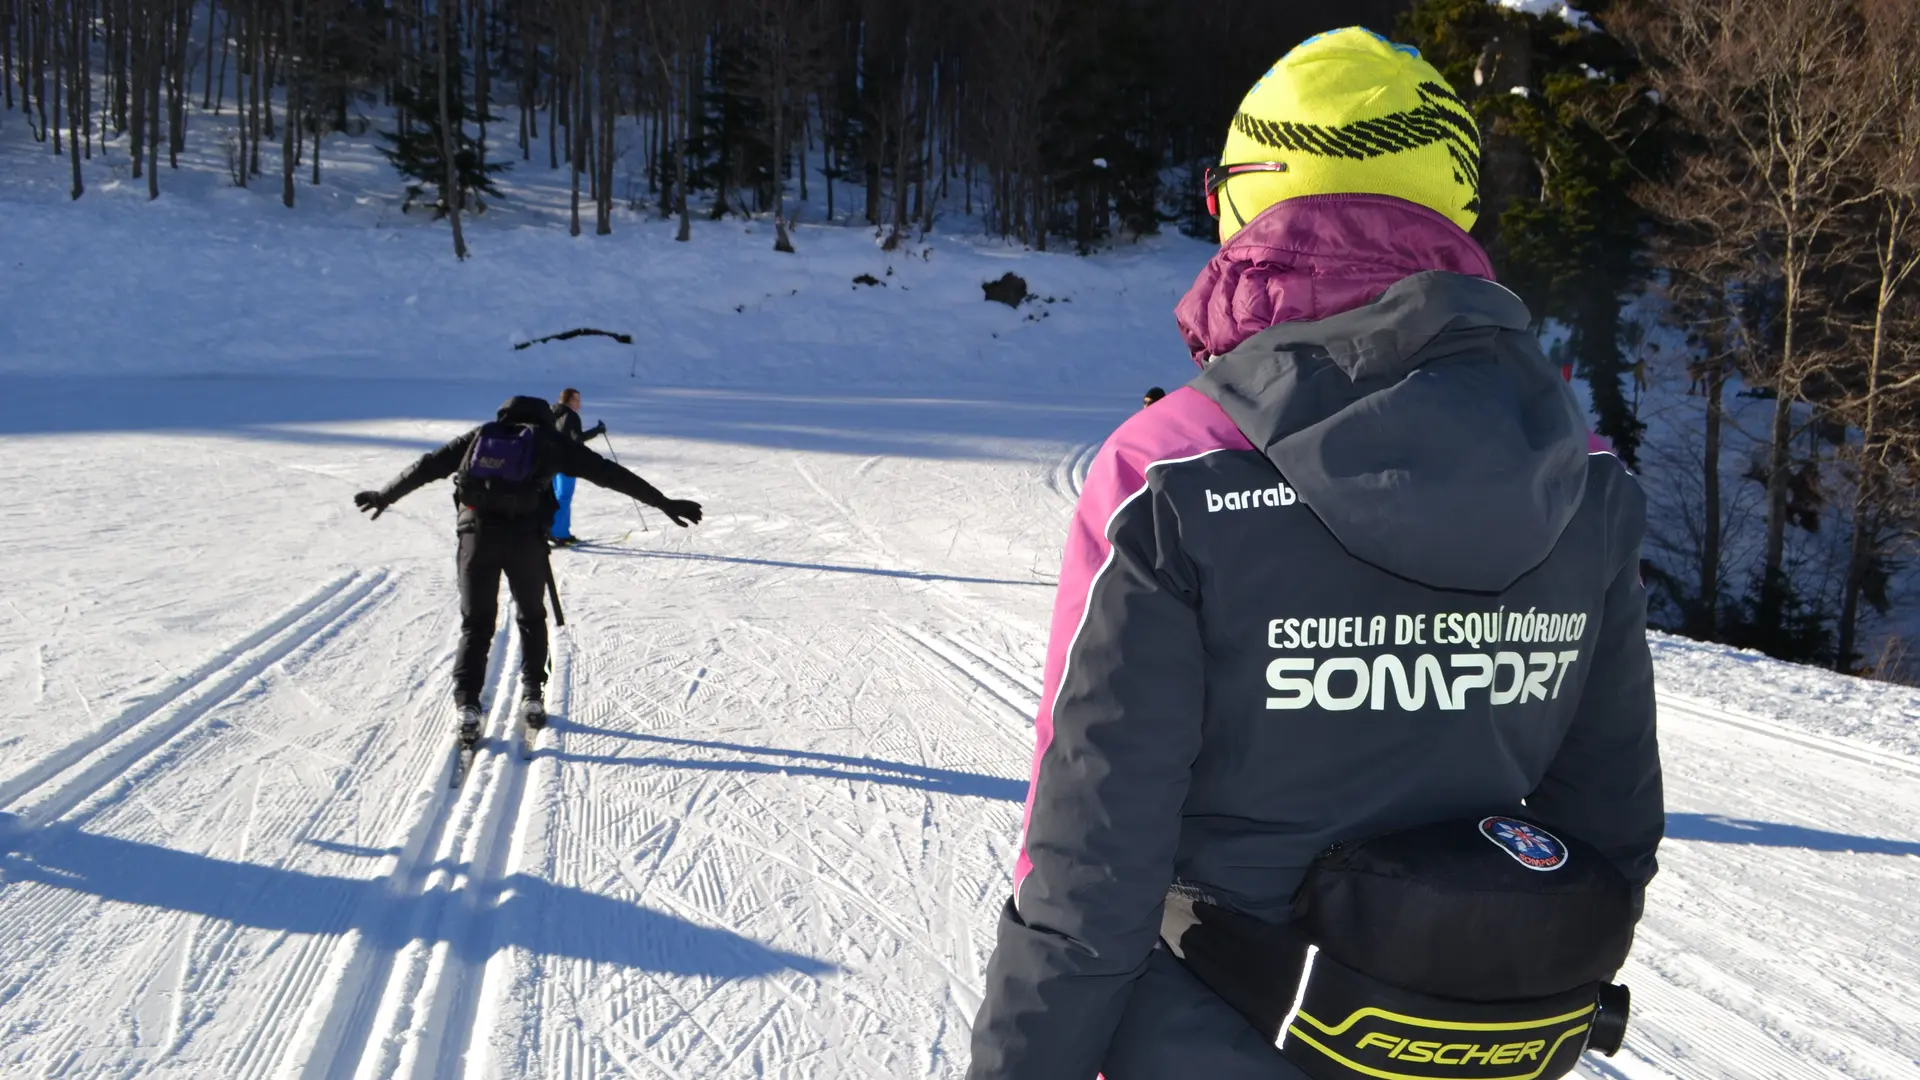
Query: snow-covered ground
{"x": 778, "y": 811}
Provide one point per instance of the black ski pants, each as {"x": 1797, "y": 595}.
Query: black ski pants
{"x": 520, "y": 552}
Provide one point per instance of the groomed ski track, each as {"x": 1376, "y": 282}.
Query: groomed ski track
{"x": 770, "y": 825}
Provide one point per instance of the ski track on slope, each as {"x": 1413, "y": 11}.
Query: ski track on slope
{"x": 790, "y": 789}
{"x": 1716, "y": 945}
{"x": 1069, "y": 476}
{"x": 366, "y": 1025}
{"x": 176, "y": 979}
{"x": 93, "y": 761}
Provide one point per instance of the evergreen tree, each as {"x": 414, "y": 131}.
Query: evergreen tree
{"x": 414, "y": 148}
{"x": 1573, "y": 245}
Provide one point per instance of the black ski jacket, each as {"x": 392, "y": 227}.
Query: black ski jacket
{"x": 1362, "y": 574}
{"x": 567, "y": 422}
{"x": 553, "y": 454}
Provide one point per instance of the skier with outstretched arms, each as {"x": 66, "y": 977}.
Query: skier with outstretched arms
{"x": 1345, "y": 759}
{"x": 503, "y": 493}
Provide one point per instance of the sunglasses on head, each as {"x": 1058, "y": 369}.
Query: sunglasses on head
{"x": 1217, "y": 175}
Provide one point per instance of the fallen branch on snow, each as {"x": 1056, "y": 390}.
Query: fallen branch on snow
{"x": 585, "y": 331}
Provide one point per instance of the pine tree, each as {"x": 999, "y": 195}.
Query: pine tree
{"x": 1573, "y": 242}
{"x": 414, "y": 149}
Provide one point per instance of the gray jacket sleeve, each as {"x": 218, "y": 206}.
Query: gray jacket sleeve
{"x": 1604, "y": 783}
{"x": 1105, "y": 816}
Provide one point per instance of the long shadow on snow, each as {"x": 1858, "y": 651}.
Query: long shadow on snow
{"x": 1717, "y": 829}
{"x": 741, "y": 560}
{"x": 538, "y": 915}
{"x": 264, "y": 407}
{"x": 861, "y": 769}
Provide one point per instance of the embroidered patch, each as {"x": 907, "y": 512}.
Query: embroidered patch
{"x": 1530, "y": 845}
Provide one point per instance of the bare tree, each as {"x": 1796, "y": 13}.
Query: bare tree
{"x": 1773, "y": 110}
{"x": 789, "y": 37}
{"x": 1890, "y": 103}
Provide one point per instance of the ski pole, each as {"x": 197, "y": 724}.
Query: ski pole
{"x": 636, "y": 503}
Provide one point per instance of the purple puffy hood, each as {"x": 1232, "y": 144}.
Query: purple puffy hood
{"x": 1306, "y": 258}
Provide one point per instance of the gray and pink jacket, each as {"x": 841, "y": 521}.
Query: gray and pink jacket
{"x": 1362, "y": 573}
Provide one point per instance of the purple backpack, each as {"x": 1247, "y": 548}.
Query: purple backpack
{"x": 498, "y": 475}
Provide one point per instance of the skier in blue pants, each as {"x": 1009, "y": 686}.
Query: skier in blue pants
{"x": 566, "y": 420}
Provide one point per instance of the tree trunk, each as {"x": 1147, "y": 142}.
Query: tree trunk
{"x": 609, "y": 107}
{"x": 1867, "y": 492}
{"x": 178, "y": 92}
{"x": 1778, "y": 481}
{"x": 576, "y": 145}
{"x": 6, "y": 54}
{"x": 213, "y": 25}
{"x": 526, "y": 111}
{"x": 451, "y": 193}
{"x": 77, "y": 76}
{"x": 58, "y": 56}
{"x": 482, "y": 85}
{"x": 780, "y": 240}
{"x": 1780, "y": 444}
{"x": 554, "y": 95}
{"x": 314, "y": 107}
{"x": 84, "y": 72}
{"x": 1507, "y": 171}
{"x": 123, "y": 60}
{"x": 1707, "y": 614}
{"x": 137, "y": 136}
{"x": 690, "y": 93}
{"x": 226, "y": 46}
{"x": 256, "y": 73}
{"x": 155, "y": 47}
{"x": 829, "y": 158}
{"x": 290, "y": 140}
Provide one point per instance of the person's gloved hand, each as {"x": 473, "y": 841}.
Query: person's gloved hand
{"x": 682, "y": 512}
{"x": 378, "y": 503}
{"x": 597, "y": 429}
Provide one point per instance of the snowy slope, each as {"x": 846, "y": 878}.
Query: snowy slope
{"x": 780, "y": 808}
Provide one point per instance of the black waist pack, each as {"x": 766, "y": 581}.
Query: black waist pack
{"x": 1476, "y": 949}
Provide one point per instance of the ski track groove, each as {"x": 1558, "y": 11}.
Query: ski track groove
{"x": 1027, "y": 681}
{"x": 964, "y": 680}
{"x": 239, "y": 663}
{"x": 204, "y": 963}
{"x": 1069, "y": 476}
{"x": 1835, "y": 745}
{"x": 341, "y": 1027}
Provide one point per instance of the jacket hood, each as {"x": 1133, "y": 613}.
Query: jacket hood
{"x": 1310, "y": 257}
{"x": 1425, "y": 429}
{"x": 526, "y": 409}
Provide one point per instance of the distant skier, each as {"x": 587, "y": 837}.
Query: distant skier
{"x": 1152, "y": 395}
{"x": 503, "y": 474}
{"x": 1346, "y": 762}
{"x": 566, "y": 420}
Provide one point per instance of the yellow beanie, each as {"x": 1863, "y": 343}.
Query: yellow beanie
{"x": 1351, "y": 112}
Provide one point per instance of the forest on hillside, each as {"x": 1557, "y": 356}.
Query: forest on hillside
{"x": 1681, "y": 190}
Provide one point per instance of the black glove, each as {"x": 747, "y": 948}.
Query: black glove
{"x": 378, "y": 503}
{"x": 597, "y": 429}
{"x": 682, "y": 512}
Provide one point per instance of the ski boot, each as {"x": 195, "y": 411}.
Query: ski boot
{"x": 532, "y": 709}
{"x": 469, "y": 726}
